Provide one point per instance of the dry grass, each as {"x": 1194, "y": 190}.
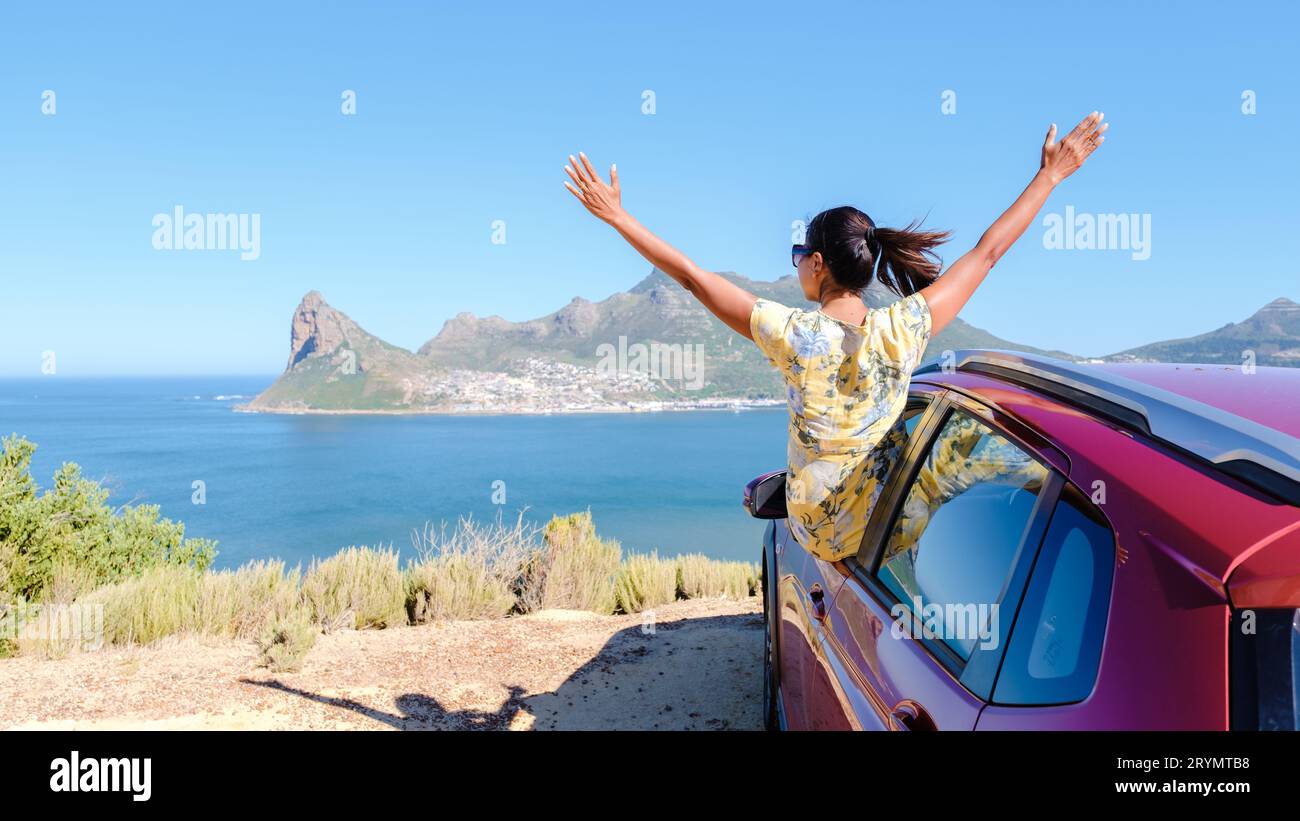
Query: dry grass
{"x": 358, "y": 588}
{"x": 699, "y": 577}
{"x": 471, "y": 572}
{"x": 241, "y": 603}
{"x": 645, "y": 581}
{"x": 573, "y": 570}
{"x": 168, "y": 601}
{"x": 285, "y": 642}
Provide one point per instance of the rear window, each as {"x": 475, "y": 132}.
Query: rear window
{"x": 1055, "y": 647}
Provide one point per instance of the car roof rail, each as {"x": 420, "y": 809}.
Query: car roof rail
{"x": 1262, "y": 457}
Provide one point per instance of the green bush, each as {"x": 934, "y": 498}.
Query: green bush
{"x": 285, "y": 642}
{"x": 645, "y": 581}
{"x": 357, "y": 588}
{"x": 69, "y": 533}
{"x": 573, "y": 570}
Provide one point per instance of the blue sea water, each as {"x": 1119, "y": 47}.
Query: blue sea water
{"x": 294, "y": 487}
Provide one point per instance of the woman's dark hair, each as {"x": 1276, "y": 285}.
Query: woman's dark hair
{"x": 852, "y": 244}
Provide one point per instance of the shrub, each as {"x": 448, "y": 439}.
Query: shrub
{"x": 358, "y": 587}
{"x": 645, "y": 581}
{"x": 241, "y": 603}
{"x": 573, "y": 570}
{"x": 700, "y": 577}
{"x": 69, "y": 531}
{"x": 286, "y": 640}
{"x": 161, "y": 602}
{"x": 470, "y": 574}
{"x": 169, "y": 601}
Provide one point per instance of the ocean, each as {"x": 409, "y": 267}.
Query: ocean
{"x": 296, "y": 487}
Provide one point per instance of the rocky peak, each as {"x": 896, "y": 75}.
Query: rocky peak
{"x": 578, "y": 318}
{"x": 316, "y": 329}
{"x": 1280, "y": 317}
{"x": 466, "y": 327}
{"x": 1281, "y": 305}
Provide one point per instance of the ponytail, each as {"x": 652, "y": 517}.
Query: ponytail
{"x": 858, "y": 251}
{"x": 908, "y": 261}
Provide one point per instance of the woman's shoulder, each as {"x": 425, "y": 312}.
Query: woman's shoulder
{"x": 911, "y": 307}
{"x": 902, "y": 328}
{"x": 774, "y": 309}
{"x": 774, "y": 315}
{"x": 774, "y": 304}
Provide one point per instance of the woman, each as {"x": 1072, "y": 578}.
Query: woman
{"x": 847, "y": 367}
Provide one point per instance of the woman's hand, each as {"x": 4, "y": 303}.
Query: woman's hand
{"x": 604, "y": 201}
{"x": 950, "y": 292}
{"x": 1062, "y": 159}
{"x": 724, "y": 298}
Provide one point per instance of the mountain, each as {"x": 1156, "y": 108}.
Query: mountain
{"x": 656, "y": 309}
{"x": 1273, "y": 333}
{"x": 334, "y": 364}
{"x": 581, "y": 357}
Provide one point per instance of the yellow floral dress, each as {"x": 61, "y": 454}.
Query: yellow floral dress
{"x": 846, "y": 389}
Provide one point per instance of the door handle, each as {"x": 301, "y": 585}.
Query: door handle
{"x": 818, "y": 598}
{"x": 910, "y": 716}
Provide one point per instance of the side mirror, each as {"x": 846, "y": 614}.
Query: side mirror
{"x": 765, "y": 496}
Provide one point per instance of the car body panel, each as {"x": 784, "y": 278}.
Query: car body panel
{"x": 889, "y": 671}
{"x": 1269, "y": 396}
{"x": 1268, "y": 575}
{"x": 804, "y": 674}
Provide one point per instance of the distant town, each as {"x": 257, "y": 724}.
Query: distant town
{"x": 534, "y": 385}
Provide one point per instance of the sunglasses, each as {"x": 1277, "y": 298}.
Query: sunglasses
{"x": 798, "y": 252}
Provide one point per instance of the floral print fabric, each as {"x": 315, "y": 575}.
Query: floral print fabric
{"x": 846, "y": 389}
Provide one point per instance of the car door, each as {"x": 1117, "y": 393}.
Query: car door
{"x": 812, "y": 682}
{"x": 806, "y": 588}
{"x": 916, "y": 633}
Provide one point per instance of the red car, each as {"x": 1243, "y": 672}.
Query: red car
{"x": 1060, "y": 546}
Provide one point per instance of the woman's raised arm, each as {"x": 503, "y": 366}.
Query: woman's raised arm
{"x": 950, "y": 292}
{"x": 725, "y": 299}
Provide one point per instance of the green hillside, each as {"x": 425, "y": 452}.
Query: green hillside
{"x": 1272, "y": 333}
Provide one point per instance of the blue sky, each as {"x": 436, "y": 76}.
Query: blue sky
{"x": 764, "y": 114}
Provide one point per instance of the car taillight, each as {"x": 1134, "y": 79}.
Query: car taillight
{"x": 1264, "y": 669}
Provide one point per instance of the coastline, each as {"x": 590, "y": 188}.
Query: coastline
{"x": 735, "y": 406}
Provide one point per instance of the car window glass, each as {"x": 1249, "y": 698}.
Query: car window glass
{"x": 953, "y": 542}
{"x": 1055, "y": 649}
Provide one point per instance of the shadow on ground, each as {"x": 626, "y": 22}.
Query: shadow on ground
{"x": 689, "y": 674}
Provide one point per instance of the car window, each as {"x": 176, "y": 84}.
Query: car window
{"x": 895, "y": 441}
{"x": 912, "y": 415}
{"x": 1055, "y": 648}
{"x": 952, "y": 545}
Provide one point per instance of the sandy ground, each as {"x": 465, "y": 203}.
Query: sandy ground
{"x": 697, "y": 665}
